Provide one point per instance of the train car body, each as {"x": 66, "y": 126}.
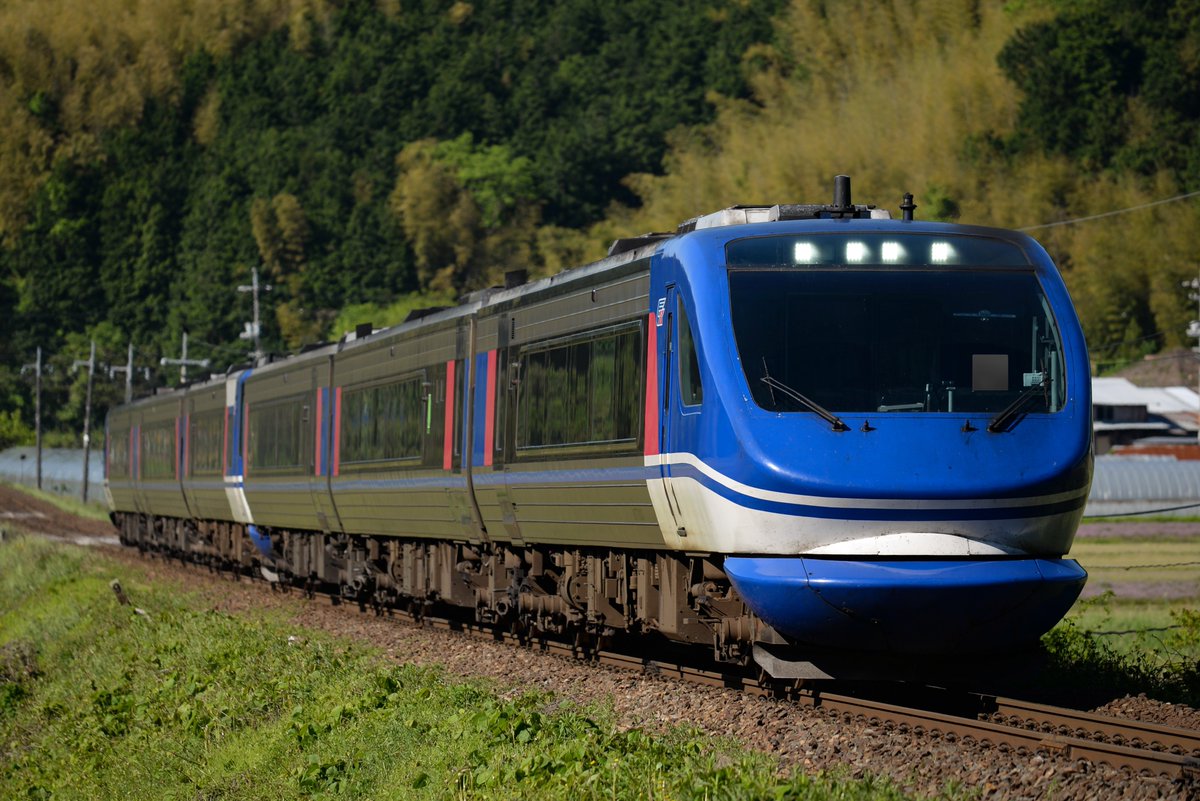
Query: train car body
{"x": 799, "y": 427}
{"x": 205, "y": 431}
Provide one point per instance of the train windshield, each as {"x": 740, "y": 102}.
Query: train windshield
{"x": 897, "y": 341}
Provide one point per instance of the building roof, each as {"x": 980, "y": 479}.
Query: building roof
{"x": 1157, "y": 400}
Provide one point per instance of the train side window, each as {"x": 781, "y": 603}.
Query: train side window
{"x": 118, "y": 454}
{"x": 204, "y": 451}
{"x": 581, "y": 392}
{"x": 690, "y": 389}
{"x": 158, "y": 450}
{"x": 385, "y": 421}
{"x": 278, "y": 434}
{"x": 433, "y": 426}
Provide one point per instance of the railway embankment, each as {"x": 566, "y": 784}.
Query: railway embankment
{"x": 223, "y": 688}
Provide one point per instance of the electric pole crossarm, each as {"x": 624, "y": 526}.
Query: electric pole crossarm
{"x": 183, "y": 361}
{"x": 128, "y": 371}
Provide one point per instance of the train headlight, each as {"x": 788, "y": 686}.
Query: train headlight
{"x": 940, "y": 252}
{"x": 891, "y": 252}
{"x": 856, "y": 252}
{"x": 806, "y": 253}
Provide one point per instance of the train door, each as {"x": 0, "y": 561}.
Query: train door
{"x": 668, "y": 412}
{"x": 456, "y": 455}
{"x": 321, "y": 466}
{"x": 135, "y": 463}
{"x": 185, "y": 463}
{"x": 502, "y": 385}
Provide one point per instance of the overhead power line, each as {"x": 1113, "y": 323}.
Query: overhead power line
{"x": 1112, "y": 213}
{"x": 1144, "y": 511}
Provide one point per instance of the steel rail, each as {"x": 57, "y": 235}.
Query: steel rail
{"x": 1118, "y": 756}
{"x": 1145, "y": 735}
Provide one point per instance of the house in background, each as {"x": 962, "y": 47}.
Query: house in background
{"x": 1123, "y": 413}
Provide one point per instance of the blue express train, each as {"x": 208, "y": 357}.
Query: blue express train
{"x": 808, "y": 428}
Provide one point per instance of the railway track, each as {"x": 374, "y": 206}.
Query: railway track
{"x": 1005, "y": 723}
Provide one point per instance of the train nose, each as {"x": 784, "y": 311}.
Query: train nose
{"x": 909, "y": 606}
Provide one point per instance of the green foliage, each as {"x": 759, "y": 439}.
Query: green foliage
{"x": 1076, "y": 72}
{"x": 201, "y": 139}
{"x": 382, "y": 315}
{"x": 99, "y": 702}
{"x": 466, "y": 210}
{"x": 13, "y": 430}
{"x": 1113, "y": 85}
{"x": 1080, "y": 658}
{"x": 497, "y": 180}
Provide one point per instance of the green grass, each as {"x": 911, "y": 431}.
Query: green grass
{"x": 93, "y": 509}
{"x": 1133, "y": 625}
{"x": 1142, "y": 634}
{"x": 1162, "y": 664}
{"x": 1148, "y": 584}
{"x": 100, "y": 702}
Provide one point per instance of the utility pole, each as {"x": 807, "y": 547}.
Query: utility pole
{"x": 128, "y": 371}
{"x": 87, "y": 414}
{"x": 183, "y": 361}
{"x": 254, "y": 329}
{"x": 37, "y": 410}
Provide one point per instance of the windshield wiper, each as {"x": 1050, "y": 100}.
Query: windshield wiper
{"x": 1005, "y": 415}
{"x": 809, "y": 403}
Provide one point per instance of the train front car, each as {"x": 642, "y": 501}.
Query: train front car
{"x": 891, "y": 433}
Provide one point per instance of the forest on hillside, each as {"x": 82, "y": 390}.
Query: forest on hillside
{"x": 372, "y": 156}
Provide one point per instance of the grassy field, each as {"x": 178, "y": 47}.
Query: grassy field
{"x": 1140, "y": 592}
{"x": 1138, "y": 629}
{"x": 98, "y": 701}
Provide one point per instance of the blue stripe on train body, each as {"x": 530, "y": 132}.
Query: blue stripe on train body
{"x": 905, "y": 456}
{"x": 237, "y": 428}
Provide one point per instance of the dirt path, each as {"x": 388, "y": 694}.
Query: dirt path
{"x": 22, "y": 510}
{"x": 1137, "y": 528}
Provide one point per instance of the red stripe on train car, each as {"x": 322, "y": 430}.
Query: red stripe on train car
{"x": 225, "y": 445}
{"x": 651, "y": 427}
{"x": 187, "y": 445}
{"x": 448, "y": 436}
{"x": 489, "y": 423}
{"x": 337, "y": 432}
{"x": 176, "y": 472}
{"x": 317, "y": 443}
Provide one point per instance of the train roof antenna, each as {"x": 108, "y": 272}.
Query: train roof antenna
{"x": 841, "y": 193}
{"x": 908, "y": 207}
